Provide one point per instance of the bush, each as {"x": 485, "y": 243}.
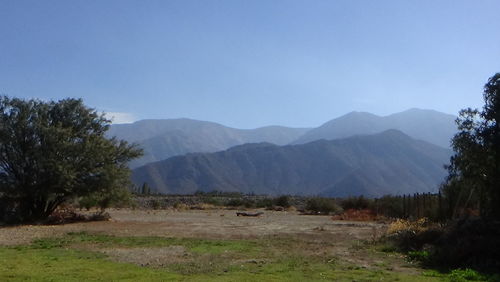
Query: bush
{"x": 390, "y": 206}
{"x": 411, "y": 226}
{"x": 264, "y": 203}
{"x": 282, "y": 201}
{"x": 422, "y": 256}
{"x": 469, "y": 243}
{"x": 459, "y": 275}
{"x": 155, "y": 204}
{"x": 180, "y": 206}
{"x": 235, "y": 203}
{"x": 212, "y": 201}
{"x": 356, "y": 215}
{"x": 460, "y": 244}
{"x": 412, "y": 235}
{"x": 356, "y": 203}
{"x": 322, "y": 206}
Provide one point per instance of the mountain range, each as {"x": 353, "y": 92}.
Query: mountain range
{"x": 356, "y": 154}
{"x": 162, "y": 139}
{"x": 428, "y": 125}
{"x": 390, "y": 162}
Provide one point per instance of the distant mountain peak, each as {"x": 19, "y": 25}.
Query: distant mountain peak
{"x": 428, "y": 125}
{"x": 358, "y": 114}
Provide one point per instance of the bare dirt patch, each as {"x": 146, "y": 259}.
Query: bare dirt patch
{"x": 310, "y": 236}
{"x": 215, "y": 224}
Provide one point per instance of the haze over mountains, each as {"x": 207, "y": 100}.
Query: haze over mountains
{"x": 374, "y": 165}
{"x": 370, "y": 155}
{"x": 162, "y": 139}
{"x": 427, "y": 125}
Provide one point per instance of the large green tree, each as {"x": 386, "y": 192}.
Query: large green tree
{"x": 53, "y": 152}
{"x": 474, "y": 172}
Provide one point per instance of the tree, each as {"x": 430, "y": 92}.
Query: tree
{"x": 53, "y": 152}
{"x": 474, "y": 171}
{"x": 145, "y": 190}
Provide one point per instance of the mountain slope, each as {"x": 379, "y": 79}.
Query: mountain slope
{"x": 428, "y": 125}
{"x": 388, "y": 162}
{"x": 162, "y": 139}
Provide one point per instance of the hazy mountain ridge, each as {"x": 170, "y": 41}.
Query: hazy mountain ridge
{"x": 162, "y": 139}
{"x": 428, "y": 125}
{"x": 372, "y": 165}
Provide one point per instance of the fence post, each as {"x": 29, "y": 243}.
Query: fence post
{"x": 417, "y": 202}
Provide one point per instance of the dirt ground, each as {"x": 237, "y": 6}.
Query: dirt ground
{"x": 212, "y": 224}
{"x": 320, "y": 233}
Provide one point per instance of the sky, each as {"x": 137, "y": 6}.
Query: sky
{"x": 246, "y": 63}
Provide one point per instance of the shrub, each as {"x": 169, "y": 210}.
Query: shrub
{"x": 155, "y": 204}
{"x": 322, "y": 205}
{"x": 264, "y": 203}
{"x": 282, "y": 201}
{"x": 412, "y": 235}
{"x": 241, "y": 202}
{"x": 212, "y": 201}
{"x": 422, "y": 256}
{"x": 469, "y": 243}
{"x": 412, "y": 226}
{"x": 390, "y": 206}
{"x": 356, "y": 203}
{"x": 459, "y": 275}
{"x": 356, "y": 215}
{"x": 460, "y": 244}
{"x": 235, "y": 203}
{"x": 180, "y": 206}
{"x": 203, "y": 206}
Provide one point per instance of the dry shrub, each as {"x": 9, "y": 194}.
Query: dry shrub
{"x": 68, "y": 215}
{"x": 181, "y": 206}
{"x": 356, "y": 215}
{"x": 404, "y": 225}
{"x": 411, "y": 235}
{"x": 204, "y": 206}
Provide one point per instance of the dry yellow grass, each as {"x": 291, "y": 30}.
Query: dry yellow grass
{"x": 403, "y": 225}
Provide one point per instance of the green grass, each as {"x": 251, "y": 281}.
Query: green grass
{"x": 265, "y": 259}
{"x": 27, "y": 264}
{"x": 107, "y": 241}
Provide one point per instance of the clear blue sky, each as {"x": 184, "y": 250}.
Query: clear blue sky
{"x": 250, "y": 63}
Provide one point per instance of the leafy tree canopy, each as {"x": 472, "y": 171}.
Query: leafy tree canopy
{"x": 52, "y": 152}
{"x": 474, "y": 172}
